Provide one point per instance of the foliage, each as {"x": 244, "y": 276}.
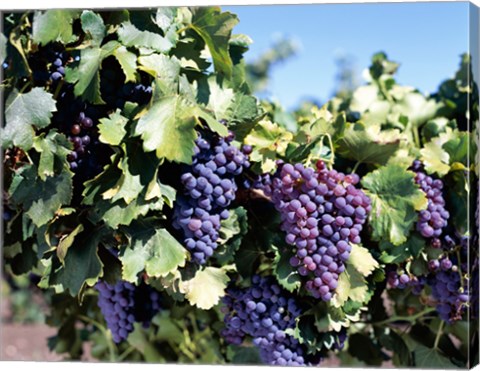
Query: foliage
{"x": 111, "y": 219}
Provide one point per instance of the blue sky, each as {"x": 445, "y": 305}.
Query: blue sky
{"x": 426, "y": 38}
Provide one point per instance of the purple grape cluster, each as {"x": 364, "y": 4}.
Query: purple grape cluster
{"x": 80, "y": 136}
{"x": 209, "y": 188}
{"x": 322, "y": 213}
{"x": 264, "y": 312}
{"x": 402, "y": 280}
{"x": 448, "y": 289}
{"x": 434, "y": 219}
{"x": 57, "y": 68}
{"x": 48, "y": 64}
{"x": 123, "y": 304}
{"x": 397, "y": 281}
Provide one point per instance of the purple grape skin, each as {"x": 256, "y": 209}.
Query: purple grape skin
{"x": 209, "y": 190}
{"x": 264, "y": 311}
{"x": 335, "y": 215}
{"x": 123, "y": 304}
{"x": 433, "y": 220}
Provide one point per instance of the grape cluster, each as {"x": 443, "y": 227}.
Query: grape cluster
{"x": 209, "y": 188}
{"x": 264, "y": 311}
{"x": 397, "y": 281}
{"x": 434, "y": 219}
{"x": 448, "y": 289}
{"x": 322, "y": 213}
{"x": 57, "y": 68}
{"x": 400, "y": 279}
{"x": 123, "y": 304}
{"x": 48, "y": 64}
{"x": 474, "y": 260}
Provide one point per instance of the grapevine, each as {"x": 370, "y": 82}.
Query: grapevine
{"x": 165, "y": 213}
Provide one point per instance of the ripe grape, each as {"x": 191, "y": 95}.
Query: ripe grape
{"x": 432, "y": 220}
{"x": 449, "y": 289}
{"x": 123, "y": 304}
{"x": 209, "y": 187}
{"x": 322, "y": 214}
{"x": 264, "y": 312}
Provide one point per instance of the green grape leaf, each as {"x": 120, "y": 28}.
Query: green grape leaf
{"x": 268, "y": 139}
{"x": 324, "y": 123}
{"x": 230, "y": 235}
{"x": 206, "y": 288}
{"x": 431, "y": 358}
{"x": 286, "y": 276}
{"x": 460, "y": 147}
{"x": 165, "y": 70}
{"x": 53, "y": 25}
{"x": 82, "y": 265}
{"x": 128, "y": 187}
{"x": 112, "y": 129}
{"x": 351, "y": 285}
{"x": 361, "y": 259}
{"x": 101, "y": 183}
{"x": 215, "y": 28}
{"x": 435, "y": 159}
{"x": 168, "y": 329}
{"x": 92, "y": 24}
{"x": 119, "y": 212}
{"x": 130, "y": 35}
{"x": 243, "y": 114}
{"x": 168, "y": 129}
{"x": 86, "y": 76}
{"x": 415, "y": 106}
{"x": 24, "y": 112}
{"x": 53, "y": 150}
{"x": 153, "y": 250}
{"x": 243, "y": 355}
{"x": 165, "y": 17}
{"x": 369, "y": 144}
{"x": 138, "y": 174}
{"x": 398, "y": 254}
{"x": 220, "y": 99}
{"x": 139, "y": 340}
{"x": 3, "y": 47}
{"x": 395, "y": 342}
{"x": 128, "y": 62}
{"x": 40, "y": 200}
{"x": 66, "y": 242}
{"x": 395, "y": 200}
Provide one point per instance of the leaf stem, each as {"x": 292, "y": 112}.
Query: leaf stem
{"x": 111, "y": 346}
{"x": 416, "y": 136}
{"x": 183, "y": 29}
{"x": 439, "y": 335}
{"x": 331, "y": 161}
{"x": 355, "y": 168}
{"x": 404, "y": 318}
{"x": 124, "y": 355}
{"x": 24, "y": 87}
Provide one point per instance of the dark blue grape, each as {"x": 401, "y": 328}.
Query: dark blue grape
{"x": 123, "y": 304}
{"x": 208, "y": 192}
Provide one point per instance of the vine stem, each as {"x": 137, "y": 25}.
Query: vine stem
{"x": 331, "y": 161}
{"x": 124, "y": 355}
{"x": 354, "y": 170}
{"x": 404, "y": 318}
{"x": 111, "y": 346}
{"x": 182, "y": 29}
{"x": 439, "y": 335}
{"x": 416, "y": 135}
